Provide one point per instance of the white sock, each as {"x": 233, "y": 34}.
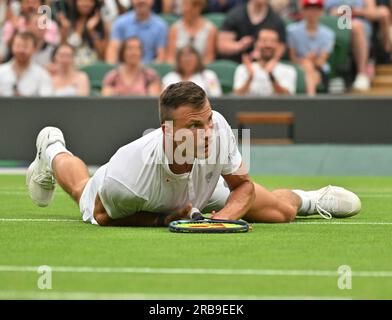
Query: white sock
{"x": 53, "y": 150}
{"x": 305, "y": 202}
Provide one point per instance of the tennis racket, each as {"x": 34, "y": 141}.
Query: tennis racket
{"x": 209, "y": 226}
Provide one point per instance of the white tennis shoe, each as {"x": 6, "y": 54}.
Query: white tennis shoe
{"x": 335, "y": 202}
{"x": 40, "y": 179}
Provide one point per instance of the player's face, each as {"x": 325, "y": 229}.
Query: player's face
{"x": 195, "y": 127}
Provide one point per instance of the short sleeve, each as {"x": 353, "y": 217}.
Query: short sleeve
{"x": 228, "y": 146}
{"x": 329, "y": 41}
{"x": 118, "y": 200}
{"x": 230, "y": 23}
{"x": 290, "y": 37}
{"x": 116, "y": 33}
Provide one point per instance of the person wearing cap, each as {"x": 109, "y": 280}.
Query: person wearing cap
{"x": 310, "y": 45}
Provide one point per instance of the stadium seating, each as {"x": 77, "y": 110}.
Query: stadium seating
{"x": 301, "y": 86}
{"x": 169, "y": 18}
{"x": 225, "y": 70}
{"x": 161, "y": 68}
{"x": 339, "y": 59}
{"x": 96, "y": 73}
{"x": 216, "y": 18}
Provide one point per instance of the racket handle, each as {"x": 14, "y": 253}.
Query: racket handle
{"x": 195, "y": 214}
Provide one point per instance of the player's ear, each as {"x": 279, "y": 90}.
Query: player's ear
{"x": 167, "y": 127}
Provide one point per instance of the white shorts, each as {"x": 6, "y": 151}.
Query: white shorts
{"x": 87, "y": 200}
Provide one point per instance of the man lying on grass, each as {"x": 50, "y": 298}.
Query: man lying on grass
{"x": 191, "y": 162}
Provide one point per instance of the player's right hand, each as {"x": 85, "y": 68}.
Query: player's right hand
{"x": 179, "y": 214}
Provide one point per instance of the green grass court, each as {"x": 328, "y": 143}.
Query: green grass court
{"x": 298, "y": 260}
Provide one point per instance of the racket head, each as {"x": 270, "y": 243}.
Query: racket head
{"x": 209, "y": 226}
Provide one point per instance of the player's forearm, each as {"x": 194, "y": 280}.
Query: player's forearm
{"x": 239, "y": 202}
{"x": 140, "y": 219}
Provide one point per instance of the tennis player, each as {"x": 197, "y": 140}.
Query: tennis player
{"x": 190, "y": 163}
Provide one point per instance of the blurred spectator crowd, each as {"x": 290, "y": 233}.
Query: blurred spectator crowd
{"x": 241, "y": 47}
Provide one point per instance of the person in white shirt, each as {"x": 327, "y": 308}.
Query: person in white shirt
{"x": 21, "y": 76}
{"x": 190, "y": 163}
{"x": 189, "y": 67}
{"x": 260, "y": 78}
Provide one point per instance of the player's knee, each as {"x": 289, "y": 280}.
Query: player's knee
{"x": 290, "y": 213}
{"x": 287, "y": 214}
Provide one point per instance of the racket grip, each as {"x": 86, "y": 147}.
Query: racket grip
{"x": 195, "y": 214}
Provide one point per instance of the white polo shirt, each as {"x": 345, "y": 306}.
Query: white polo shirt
{"x": 138, "y": 178}
{"x": 35, "y": 81}
{"x": 261, "y": 85}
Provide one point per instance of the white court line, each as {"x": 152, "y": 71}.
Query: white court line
{"x": 341, "y": 223}
{"x": 322, "y": 222}
{"x": 23, "y": 193}
{"x": 199, "y": 271}
{"x": 38, "y": 220}
{"x": 56, "y": 295}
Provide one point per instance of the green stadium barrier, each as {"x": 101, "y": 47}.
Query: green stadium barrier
{"x": 225, "y": 70}
{"x": 170, "y": 19}
{"x": 96, "y": 73}
{"x": 215, "y": 18}
{"x": 161, "y": 68}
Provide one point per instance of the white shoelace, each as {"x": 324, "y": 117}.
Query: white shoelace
{"x": 45, "y": 180}
{"x": 321, "y": 211}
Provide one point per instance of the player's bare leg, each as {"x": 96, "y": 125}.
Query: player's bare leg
{"x": 53, "y": 161}
{"x": 273, "y": 207}
{"x": 284, "y": 205}
{"x": 71, "y": 174}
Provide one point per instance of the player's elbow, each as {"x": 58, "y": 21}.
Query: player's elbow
{"x": 103, "y": 219}
{"x": 251, "y": 191}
